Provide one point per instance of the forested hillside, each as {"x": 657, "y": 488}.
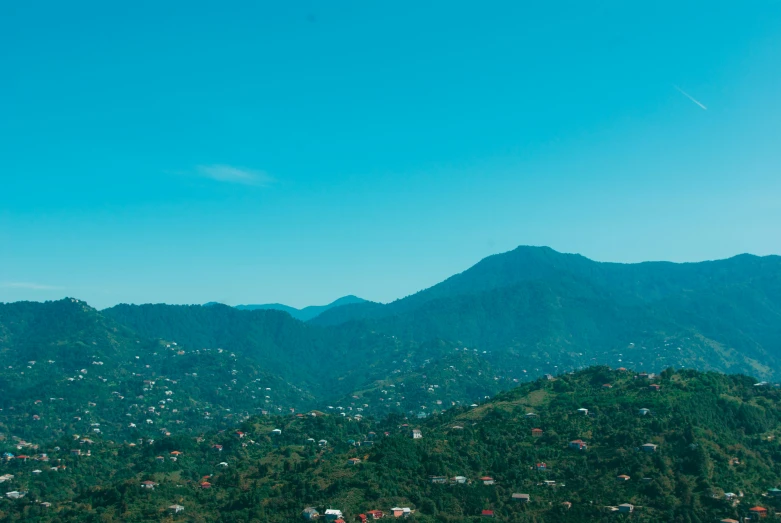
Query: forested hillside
{"x": 597, "y": 445}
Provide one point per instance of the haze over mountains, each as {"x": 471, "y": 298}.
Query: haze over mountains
{"x": 307, "y": 313}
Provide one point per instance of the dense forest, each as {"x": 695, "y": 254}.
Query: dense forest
{"x": 594, "y": 445}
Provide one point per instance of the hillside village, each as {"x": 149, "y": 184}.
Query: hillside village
{"x": 567, "y": 445}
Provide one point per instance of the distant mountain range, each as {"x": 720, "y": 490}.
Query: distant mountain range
{"x": 510, "y": 318}
{"x": 305, "y": 314}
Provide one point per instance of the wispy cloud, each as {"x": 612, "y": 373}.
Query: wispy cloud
{"x": 29, "y": 286}
{"x": 690, "y": 97}
{"x": 231, "y": 174}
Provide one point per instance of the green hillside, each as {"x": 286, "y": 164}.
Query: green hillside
{"x": 713, "y": 435}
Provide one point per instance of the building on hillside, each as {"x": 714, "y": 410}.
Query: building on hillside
{"x": 487, "y": 513}
{"x": 578, "y": 444}
{"x": 76, "y": 452}
{"x": 523, "y": 498}
{"x": 774, "y": 493}
{"x": 205, "y": 485}
{"x": 487, "y": 480}
{"x": 758, "y": 512}
{"x": 438, "y": 479}
{"x": 728, "y": 520}
{"x": 548, "y": 376}
{"x": 622, "y": 477}
{"x": 566, "y": 504}
{"x": 353, "y": 461}
{"x": 332, "y": 514}
{"x": 531, "y": 415}
{"x": 655, "y": 387}
{"x": 176, "y": 508}
{"x": 583, "y": 411}
{"x": 649, "y": 447}
{"x": 459, "y": 480}
{"x": 376, "y": 514}
{"x": 361, "y": 517}
{"x": 322, "y": 443}
{"x": 15, "y": 494}
{"x": 148, "y": 484}
{"x": 644, "y": 412}
{"x": 401, "y": 512}
{"x": 541, "y": 466}
{"x": 276, "y": 432}
{"x": 607, "y": 386}
{"x": 536, "y": 433}
{"x": 160, "y": 459}
{"x": 416, "y": 434}
{"x": 626, "y": 508}
{"x": 310, "y": 513}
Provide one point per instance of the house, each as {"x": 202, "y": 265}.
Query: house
{"x": 487, "y": 513}
{"x": 176, "y": 453}
{"x": 160, "y": 459}
{"x": 758, "y": 512}
{"x": 487, "y": 480}
{"x": 549, "y": 483}
{"x": 622, "y": 477}
{"x": 46, "y": 504}
{"x": 353, "y": 461}
{"x": 376, "y": 514}
{"x": 649, "y": 447}
{"x": 566, "y": 504}
{"x": 205, "y": 485}
{"x": 523, "y": 498}
{"x": 76, "y": 452}
{"x": 361, "y": 517}
{"x": 577, "y": 444}
{"x": 322, "y": 443}
{"x": 541, "y": 466}
{"x": 416, "y": 434}
{"x": 14, "y": 494}
{"x": 240, "y": 434}
{"x": 626, "y": 508}
{"x": 643, "y": 412}
{"x": 399, "y": 512}
{"x": 276, "y": 432}
{"x": 607, "y": 386}
{"x": 459, "y": 479}
{"x": 223, "y": 463}
{"x": 176, "y": 508}
{"x": 217, "y": 447}
{"x": 728, "y": 520}
{"x": 332, "y": 514}
{"x": 774, "y": 493}
{"x": 531, "y": 415}
{"x": 548, "y": 376}
{"x": 148, "y": 484}
{"x": 536, "y": 433}
{"x": 583, "y": 411}
{"x": 655, "y": 387}
{"x": 438, "y": 479}
{"x": 310, "y": 513}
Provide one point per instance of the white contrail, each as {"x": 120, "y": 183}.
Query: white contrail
{"x": 690, "y": 97}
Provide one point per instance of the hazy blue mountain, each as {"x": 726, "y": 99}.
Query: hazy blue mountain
{"x": 305, "y": 314}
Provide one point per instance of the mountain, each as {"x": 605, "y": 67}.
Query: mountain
{"x": 67, "y": 368}
{"x": 684, "y": 446}
{"x": 536, "y": 305}
{"x": 307, "y": 313}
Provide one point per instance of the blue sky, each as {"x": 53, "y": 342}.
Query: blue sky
{"x": 256, "y": 152}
